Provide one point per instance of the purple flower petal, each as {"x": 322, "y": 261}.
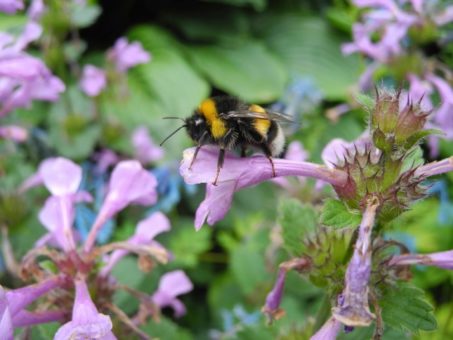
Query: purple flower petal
{"x": 87, "y": 322}
{"x": 444, "y": 17}
{"x": 274, "y": 298}
{"x": 61, "y": 176}
{"x": 93, "y": 80}
{"x": 145, "y": 149}
{"x": 6, "y": 321}
{"x": 57, "y": 216}
{"x": 24, "y": 78}
{"x": 150, "y": 227}
{"x": 145, "y": 232}
{"x": 418, "y": 88}
{"x": 130, "y": 183}
{"x": 11, "y": 7}
{"x": 353, "y": 309}
{"x": 171, "y": 285}
{"x": 216, "y": 203}
{"x": 418, "y": 5}
{"x": 36, "y": 9}
{"x": 31, "y": 32}
{"x": 14, "y": 133}
{"x": 238, "y": 173}
{"x": 20, "y": 298}
{"x": 334, "y": 151}
{"x": 329, "y": 331}
{"x": 26, "y": 318}
{"x": 442, "y": 259}
{"x": 126, "y": 55}
{"x": 105, "y": 159}
{"x": 435, "y": 168}
{"x": 296, "y": 152}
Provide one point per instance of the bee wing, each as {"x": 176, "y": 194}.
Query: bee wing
{"x": 269, "y": 115}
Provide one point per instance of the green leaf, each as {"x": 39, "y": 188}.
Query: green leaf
{"x": 310, "y": 48}
{"x": 78, "y": 146}
{"x": 209, "y": 23}
{"x": 366, "y": 101}
{"x": 413, "y": 159}
{"x": 405, "y": 307}
{"x": 12, "y": 22}
{"x": 166, "y": 329}
{"x": 297, "y": 221}
{"x": 83, "y": 16}
{"x": 248, "y": 267}
{"x": 245, "y": 69}
{"x": 168, "y": 78}
{"x": 128, "y": 274}
{"x": 44, "y": 331}
{"x": 187, "y": 244}
{"x": 336, "y": 214}
{"x": 415, "y": 138}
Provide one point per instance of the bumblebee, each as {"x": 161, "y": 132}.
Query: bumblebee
{"x": 233, "y": 125}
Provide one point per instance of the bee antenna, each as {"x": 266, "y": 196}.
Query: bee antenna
{"x": 172, "y": 117}
{"x": 171, "y": 134}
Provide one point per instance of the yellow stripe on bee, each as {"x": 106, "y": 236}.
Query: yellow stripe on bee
{"x": 208, "y": 109}
{"x": 260, "y": 125}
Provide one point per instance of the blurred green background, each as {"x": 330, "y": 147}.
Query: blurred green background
{"x": 254, "y": 49}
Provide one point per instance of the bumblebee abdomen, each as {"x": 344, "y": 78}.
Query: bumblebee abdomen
{"x": 262, "y": 126}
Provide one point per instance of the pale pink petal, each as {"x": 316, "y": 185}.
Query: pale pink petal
{"x": 93, "y": 81}
{"x": 87, "y": 322}
{"x": 61, "y": 176}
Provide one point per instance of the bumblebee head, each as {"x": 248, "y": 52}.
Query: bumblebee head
{"x": 196, "y": 126}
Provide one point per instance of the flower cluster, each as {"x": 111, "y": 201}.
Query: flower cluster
{"x": 392, "y": 35}
{"x": 80, "y": 278}
{"x": 122, "y": 56}
{"x": 378, "y": 177}
{"x": 24, "y": 78}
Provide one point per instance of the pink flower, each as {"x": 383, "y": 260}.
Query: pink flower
{"x": 171, "y": 285}
{"x": 274, "y": 298}
{"x": 238, "y": 173}
{"x": 62, "y": 178}
{"x": 24, "y": 78}
{"x": 130, "y": 183}
{"x": 126, "y": 55}
{"x": 145, "y": 149}
{"x": 144, "y": 234}
{"x": 352, "y": 309}
{"x": 87, "y": 322}
{"x": 328, "y": 331}
{"x": 11, "y": 6}
{"x": 435, "y": 168}
{"x": 443, "y": 259}
{"x": 93, "y": 80}
{"x": 295, "y": 152}
{"x": 36, "y": 9}
{"x": 14, "y": 133}
{"x": 443, "y": 117}
{"x": 14, "y": 302}
{"x": 105, "y": 159}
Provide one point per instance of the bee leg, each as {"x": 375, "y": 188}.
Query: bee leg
{"x": 219, "y": 165}
{"x": 194, "y": 156}
{"x": 200, "y": 144}
{"x": 268, "y": 154}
